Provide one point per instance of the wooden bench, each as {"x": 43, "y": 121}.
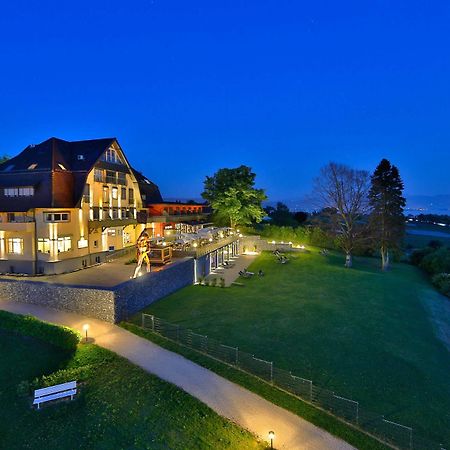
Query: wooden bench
{"x": 54, "y": 392}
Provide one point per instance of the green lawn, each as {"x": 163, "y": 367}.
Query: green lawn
{"x": 119, "y": 406}
{"x": 359, "y": 332}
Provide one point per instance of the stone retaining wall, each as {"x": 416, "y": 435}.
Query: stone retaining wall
{"x": 98, "y": 303}
{"x": 134, "y": 295}
{"x": 111, "y": 305}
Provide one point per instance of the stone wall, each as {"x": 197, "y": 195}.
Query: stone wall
{"x": 112, "y": 304}
{"x": 134, "y": 295}
{"x": 98, "y": 303}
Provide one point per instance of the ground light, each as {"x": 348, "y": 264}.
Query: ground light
{"x": 86, "y": 328}
{"x": 271, "y": 437}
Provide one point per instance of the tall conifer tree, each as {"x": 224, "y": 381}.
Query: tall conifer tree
{"x": 386, "y": 200}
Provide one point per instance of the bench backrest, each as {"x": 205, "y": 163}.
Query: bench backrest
{"x": 53, "y": 389}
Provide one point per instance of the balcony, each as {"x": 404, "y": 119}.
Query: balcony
{"x": 111, "y": 218}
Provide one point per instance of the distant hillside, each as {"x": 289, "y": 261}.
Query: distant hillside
{"x": 416, "y": 204}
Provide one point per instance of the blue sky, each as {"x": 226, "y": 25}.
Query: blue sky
{"x": 189, "y": 87}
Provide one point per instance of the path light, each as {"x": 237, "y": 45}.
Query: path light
{"x": 271, "y": 437}
{"x": 85, "y": 329}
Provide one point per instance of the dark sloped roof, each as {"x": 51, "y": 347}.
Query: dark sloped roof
{"x": 147, "y": 188}
{"x": 56, "y": 186}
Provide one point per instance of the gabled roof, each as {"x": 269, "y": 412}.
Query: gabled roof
{"x": 58, "y": 170}
{"x": 48, "y": 154}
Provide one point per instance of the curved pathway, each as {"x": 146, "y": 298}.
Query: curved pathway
{"x": 226, "y": 398}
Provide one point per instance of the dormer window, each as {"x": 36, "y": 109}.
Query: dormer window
{"x": 80, "y": 157}
{"x": 32, "y": 166}
{"x": 61, "y": 166}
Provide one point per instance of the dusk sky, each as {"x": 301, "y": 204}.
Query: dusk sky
{"x": 188, "y": 87}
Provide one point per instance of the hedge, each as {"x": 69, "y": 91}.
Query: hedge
{"x": 59, "y": 336}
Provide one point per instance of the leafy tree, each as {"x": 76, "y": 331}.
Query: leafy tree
{"x": 387, "y": 222}
{"x": 233, "y": 197}
{"x": 344, "y": 190}
{"x": 301, "y": 216}
{"x": 4, "y": 158}
{"x": 280, "y": 215}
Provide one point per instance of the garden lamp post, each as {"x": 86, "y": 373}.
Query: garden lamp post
{"x": 271, "y": 437}
{"x": 86, "y": 328}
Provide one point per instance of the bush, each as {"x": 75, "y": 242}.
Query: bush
{"x": 418, "y": 255}
{"x": 79, "y": 374}
{"x": 442, "y": 282}
{"x": 437, "y": 261}
{"x": 59, "y": 336}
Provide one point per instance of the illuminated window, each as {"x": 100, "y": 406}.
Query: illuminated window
{"x": 105, "y": 194}
{"x": 114, "y": 193}
{"x": 19, "y": 191}
{"x": 57, "y": 217}
{"x": 32, "y": 166}
{"x": 15, "y": 246}
{"x": 130, "y": 196}
{"x": 64, "y": 244}
{"x": 82, "y": 243}
{"x": 43, "y": 245}
{"x": 61, "y": 166}
{"x": 123, "y": 194}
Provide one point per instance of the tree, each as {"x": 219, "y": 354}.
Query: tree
{"x": 280, "y": 215}
{"x": 387, "y": 222}
{"x": 344, "y": 190}
{"x": 4, "y": 158}
{"x": 233, "y": 197}
{"x": 301, "y": 216}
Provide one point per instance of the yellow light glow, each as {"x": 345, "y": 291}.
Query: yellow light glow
{"x": 271, "y": 435}
{"x": 85, "y": 327}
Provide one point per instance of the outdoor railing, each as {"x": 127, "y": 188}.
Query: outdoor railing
{"x": 350, "y": 411}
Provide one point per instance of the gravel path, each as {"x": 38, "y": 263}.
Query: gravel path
{"x": 226, "y": 398}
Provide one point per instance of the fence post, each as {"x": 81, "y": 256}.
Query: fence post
{"x": 237, "y": 356}
{"x": 310, "y": 391}
{"x": 142, "y": 320}
{"x": 271, "y": 372}
{"x": 153, "y": 323}
{"x": 357, "y": 413}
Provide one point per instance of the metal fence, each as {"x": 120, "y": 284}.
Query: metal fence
{"x": 392, "y": 433}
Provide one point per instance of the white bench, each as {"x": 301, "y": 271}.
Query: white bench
{"x": 54, "y": 392}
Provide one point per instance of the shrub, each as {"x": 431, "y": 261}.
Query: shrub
{"x": 437, "y": 261}
{"x": 213, "y": 282}
{"x": 442, "y": 282}
{"x": 222, "y": 282}
{"x": 418, "y": 255}
{"x": 59, "y": 336}
{"x": 79, "y": 374}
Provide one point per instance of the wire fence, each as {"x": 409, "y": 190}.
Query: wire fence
{"x": 392, "y": 433}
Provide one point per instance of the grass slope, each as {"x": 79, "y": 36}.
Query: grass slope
{"x": 119, "y": 406}
{"x": 359, "y": 332}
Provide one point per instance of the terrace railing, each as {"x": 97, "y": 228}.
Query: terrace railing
{"x": 350, "y": 411}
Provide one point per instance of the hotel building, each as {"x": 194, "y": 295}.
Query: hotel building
{"x": 68, "y": 205}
